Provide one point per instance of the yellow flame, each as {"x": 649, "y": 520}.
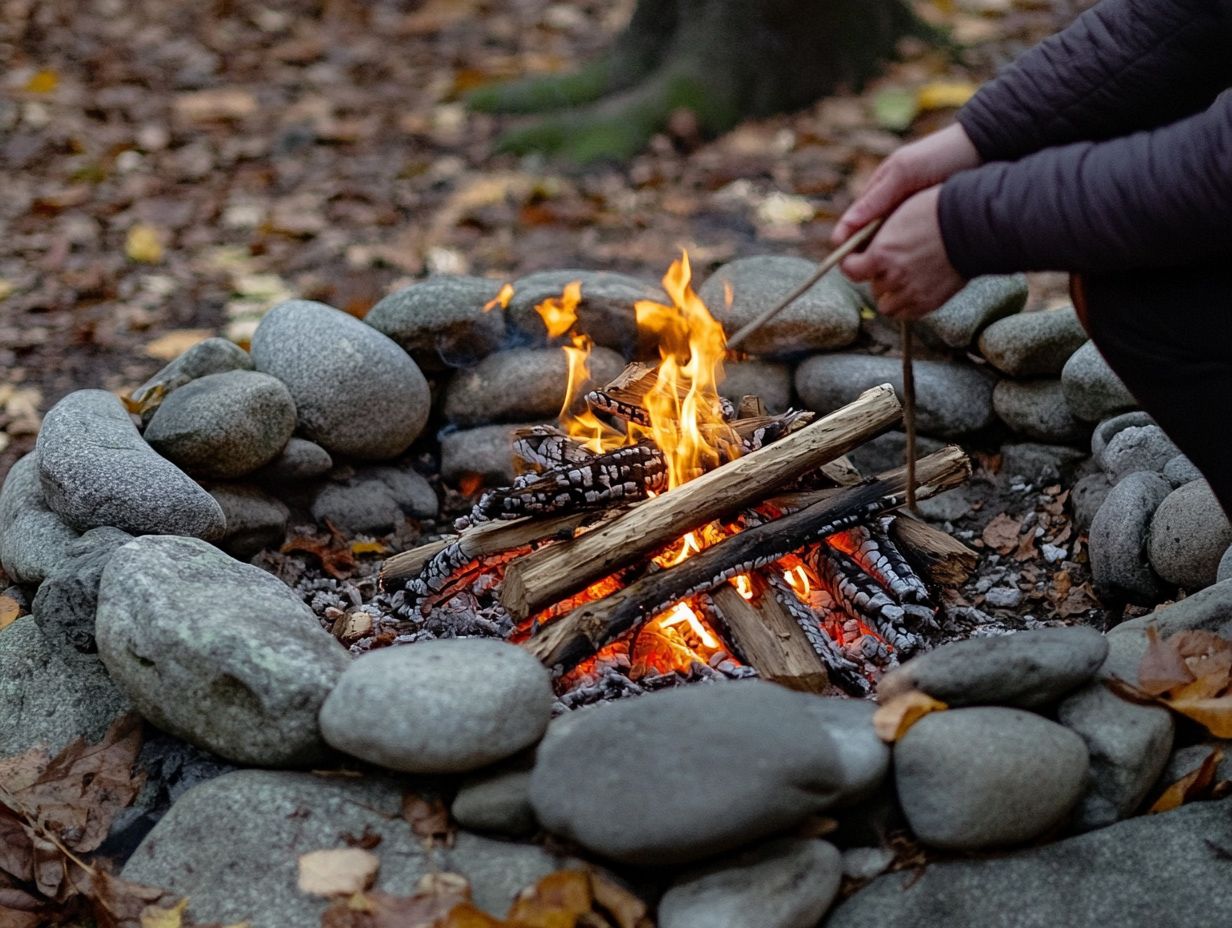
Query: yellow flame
{"x": 560, "y": 313}
{"x": 744, "y": 586}
{"x": 501, "y": 299}
{"x": 798, "y": 579}
{"x": 691, "y": 348}
{"x": 683, "y": 614}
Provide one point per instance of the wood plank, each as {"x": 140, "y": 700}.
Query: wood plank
{"x": 770, "y": 639}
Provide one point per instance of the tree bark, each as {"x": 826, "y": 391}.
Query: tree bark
{"x": 723, "y": 60}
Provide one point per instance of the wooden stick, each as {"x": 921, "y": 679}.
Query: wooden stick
{"x": 909, "y": 408}
{"x": 826, "y": 266}
{"x": 549, "y": 575}
{"x": 576, "y": 636}
{"x": 770, "y": 640}
{"x": 946, "y": 560}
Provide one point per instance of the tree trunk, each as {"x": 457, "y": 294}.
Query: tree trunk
{"x": 723, "y": 60}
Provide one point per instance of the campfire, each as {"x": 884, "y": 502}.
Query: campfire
{"x": 662, "y": 533}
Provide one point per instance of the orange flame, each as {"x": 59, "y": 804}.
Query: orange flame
{"x": 501, "y": 299}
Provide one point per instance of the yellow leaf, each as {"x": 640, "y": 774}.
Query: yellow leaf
{"x": 153, "y": 916}
{"x": 144, "y": 244}
{"x": 1215, "y": 715}
{"x": 340, "y": 871}
{"x": 892, "y": 720}
{"x": 44, "y": 81}
{"x": 1191, "y": 786}
{"x": 556, "y": 901}
{"x": 10, "y": 611}
{"x": 368, "y": 547}
{"x": 466, "y": 915}
{"x": 6, "y": 288}
{"x": 942, "y": 95}
{"x": 170, "y": 346}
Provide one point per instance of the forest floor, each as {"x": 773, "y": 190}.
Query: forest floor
{"x": 174, "y": 167}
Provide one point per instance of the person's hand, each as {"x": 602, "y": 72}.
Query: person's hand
{"x": 906, "y": 261}
{"x": 909, "y": 170}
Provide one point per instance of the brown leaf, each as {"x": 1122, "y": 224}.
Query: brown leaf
{"x": 1161, "y": 668}
{"x": 1079, "y": 600}
{"x": 10, "y": 611}
{"x": 893, "y": 720}
{"x": 216, "y": 105}
{"x": 336, "y": 559}
{"x": 1193, "y": 785}
{"x": 341, "y": 871}
{"x": 556, "y": 901}
{"x": 1215, "y": 715}
{"x": 1001, "y": 534}
{"x": 436, "y": 897}
{"x": 626, "y": 909}
{"x": 428, "y": 818}
{"x": 171, "y": 345}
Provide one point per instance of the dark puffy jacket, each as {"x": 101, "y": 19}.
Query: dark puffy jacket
{"x": 1109, "y": 146}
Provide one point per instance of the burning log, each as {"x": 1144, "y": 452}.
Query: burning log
{"x": 583, "y": 631}
{"x": 844, "y": 672}
{"x": 862, "y": 598}
{"x": 880, "y": 558}
{"x": 946, "y": 561}
{"x": 543, "y": 447}
{"x": 553, "y": 573}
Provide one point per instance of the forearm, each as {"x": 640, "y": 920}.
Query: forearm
{"x": 1123, "y": 65}
{"x": 1152, "y": 199}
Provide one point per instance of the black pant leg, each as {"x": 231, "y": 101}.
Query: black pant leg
{"x": 1168, "y": 336}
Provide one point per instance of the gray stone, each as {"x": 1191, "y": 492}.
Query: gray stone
{"x": 950, "y": 505}
{"x": 223, "y": 425}
{"x": 255, "y": 520}
{"x": 889, "y": 450}
{"x": 66, "y": 601}
{"x": 1036, "y": 408}
{"x": 1040, "y": 463}
{"x": 983, "y": 301}
{"x": 1109, "y": 428}
{"x": 521, "y": 384}
{"x": 356, "y": 392}
{"x": 1119, "y": 538}
{"x": 1128, "y": 742}
{"x": 865, "y": 863}
{"x": 299, "y": 459}
{"x": 1180, "y": 471}
{"x": 1003, "y": 597}
{"x": 1189, "y": 535}
{"x": 826, "y": 317}
{"x": 442, "y": 706}
{"x": 768, "y": 379}
{"x": 441, "y": 322}
{"x": 1137, "y": 448}
{"x": 232, "y": 845}
{"x": 497, "y": 801}
{"x": 787, "y": 883}
{"x": 212, "y": 356}
{"x": 950, "y": 399}
{"x": 766, "y": 756}
{"x": 1092, "y": 391}
{"x": 219, "y": 653}
{"x": 33, "y": 539}
{"x": 1087, "y": 496}
{"x": 97, "y": 470}
{"x": 605, "y": 311}
{"x": 486, "y": 450}
{"x": 1149, "y": 872}
{"x": 374, "y": 499}
{"x": 1025, "y": 669}
{"x": 1225, "y": 567}
{"x": 1035, "y": 344}
{"x": 987, "y": 777}
{"x": 51, "y": 697}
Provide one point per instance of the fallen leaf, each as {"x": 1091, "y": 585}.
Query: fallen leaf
{"x": 467, "y": 916}
{"x": 153, "y": 916}
{"x": 892, "y": 720}
{"x": 436, "y": 898}
{"x": 428, "y": 818}
{"x": 351, "y": 626}
{"x": 944, "y": 95}
{"x": 217, "y": 105}
{"x": 1079, "y": 600}
{"x": 895, "y": 108}
{"x": 1215, "y": 715}
{"x": 1161, "y": 668}
{"x": 1001, "y": 534}
{"x": 10, "y": 610}
{"x": 1194, "y": 785}
{"x": 626, "y": 908}
{"x": 339, "y": 871}
{"x": 556, "y": 901}
{"x": 171, "y": 345}
{"x": 44, "y": 81}
{"x": 144, "y": 244}
{"x": 6, "y": 288}
{"x": 368, "y": 547}
{"x": 336, "y": 558}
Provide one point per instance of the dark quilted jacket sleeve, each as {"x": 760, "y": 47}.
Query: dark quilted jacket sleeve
{"x": 1152, "y": 199}
{"x": 1122, "y": 66}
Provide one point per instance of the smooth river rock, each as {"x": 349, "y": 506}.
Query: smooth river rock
{"x": 766, "y": 756}
{"x": 787, "y": 883}
{"x": 232, "y": 845}
{"x": 299, "y": 459}
{"x": 521, "y": 384}
{"x": 485, "y": 451}
{"x": 983, "y": 301}
{"x": 951, "y": 400}
{"x": 255, "y": 519}
{"x": 1024, "y": 669}
{"x": 987, "y": 777}
{"x": 1137, "y": 448}
{"x": 222, "y": 426}
{"x": 1149, "y": 872}
{"x": 442, "y": 322}
{"x": 97, "y": 470}
{"x": 1120, "y": 567}
{"x": 1035, "y": 344}
{"x": 33, "y": 539}
{"x": 67, "y": 600}
{"x": 1092, "y": 390}
{"x": 442, "y": 706}
{"x": 219, "y": 653}
{"x": 356, "y": 392}
{"x": 374, "y": 499}
{"x": 212, "y": 356}
{"x": 1036, "y": 408}
{"x": 497, "y": 800}
{"x": 770, "y": 380}
{"x": 824, "y": 318}
{"x": 1189, "y": 534}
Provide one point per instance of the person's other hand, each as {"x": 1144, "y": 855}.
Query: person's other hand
{"x": 906, "y": 261}
{"x": 909, "y": 170}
